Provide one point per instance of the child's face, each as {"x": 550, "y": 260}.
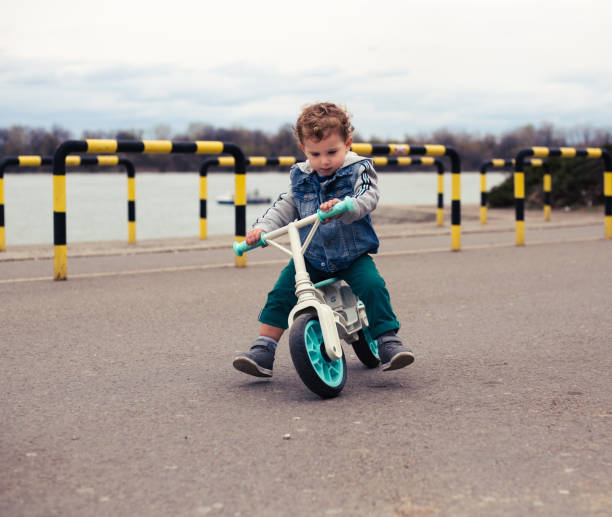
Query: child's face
{"x": 327, "y": 155}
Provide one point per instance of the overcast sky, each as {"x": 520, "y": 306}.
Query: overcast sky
{"x": 401, "y": 67}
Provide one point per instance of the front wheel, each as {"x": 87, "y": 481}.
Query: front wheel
{"x": 322, "y": 376}
{"x": 366, "y": 348}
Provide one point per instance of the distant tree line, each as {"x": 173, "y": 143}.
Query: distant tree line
{"x": 19, "y": 140}
{"x": 473, "y": 148}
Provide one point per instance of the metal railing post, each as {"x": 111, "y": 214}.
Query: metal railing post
{"x": 501, "y": 162}
{"x": 426, "y": 160}
{"x": 428, "y": 150}
{"x": 561, "y": 152}
{"x": 228, "y": 161}
{"x": 136, "y": 146}
{"x": 71, "y": 161}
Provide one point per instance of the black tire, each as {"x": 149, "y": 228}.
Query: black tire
{"x": 320, "y": 375}
{"x": 366, "y": 349}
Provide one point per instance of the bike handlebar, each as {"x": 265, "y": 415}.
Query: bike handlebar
{"x": 346, "y": 205}
{"x": 242, "y": 247}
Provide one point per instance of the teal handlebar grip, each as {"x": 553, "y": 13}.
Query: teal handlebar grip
{"x": 346, "y": 205}
{"x": 243, "y": 247}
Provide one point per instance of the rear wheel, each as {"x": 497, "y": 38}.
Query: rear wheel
{"x": 366, "y": 348}
{"x": 321, "y": 375}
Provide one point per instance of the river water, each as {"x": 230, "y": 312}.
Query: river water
{"x": 167, "y": 204}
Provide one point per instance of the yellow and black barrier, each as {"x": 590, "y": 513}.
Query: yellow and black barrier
{"x": 428, "y": 150}
{"x": 136, "y": 146}
{"x": 263, "y": 161}
{"x": 426, "y": 160}
{"x": 229, "y": 161}
{"x": 561, "y": 152}
{"x": 502, "y": 163}
{"x": 72, "y": 161}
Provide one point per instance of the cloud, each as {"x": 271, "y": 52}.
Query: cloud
{"x": 399, "y": 68}
{"x": 391, "y": 102}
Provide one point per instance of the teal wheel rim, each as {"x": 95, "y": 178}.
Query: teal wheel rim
{"x": 330, "y": 372}
{"x": 372, "y": 343}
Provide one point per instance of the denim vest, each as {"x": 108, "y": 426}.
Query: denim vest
{"x": 335, "y": 245}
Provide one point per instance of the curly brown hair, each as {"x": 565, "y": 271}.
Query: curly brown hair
{"x": 318, "y": 120}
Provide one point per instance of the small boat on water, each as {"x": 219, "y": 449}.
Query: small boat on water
{"x": 253, "y": 198}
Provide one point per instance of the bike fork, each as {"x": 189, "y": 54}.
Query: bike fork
{"x": 307, "y": 297}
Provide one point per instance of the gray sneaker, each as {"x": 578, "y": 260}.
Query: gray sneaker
{"x": 258, "y": 360}
{"x": 393, "y": 355}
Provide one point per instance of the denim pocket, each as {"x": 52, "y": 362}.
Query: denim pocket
{"x": 305, "y": 197}
{"x": 343, "y": 186}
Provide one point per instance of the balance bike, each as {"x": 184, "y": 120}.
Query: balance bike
{"x": 325, "y": 313}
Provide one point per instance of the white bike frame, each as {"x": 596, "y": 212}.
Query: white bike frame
{"x": 308, "y": 295}
{"x": 340, "y": 313}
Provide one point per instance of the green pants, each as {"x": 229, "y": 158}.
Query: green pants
{"x": 364, "y": 279}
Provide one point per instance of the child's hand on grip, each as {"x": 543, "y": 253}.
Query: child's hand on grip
{"x": 327, "y": 206}
{"x": 253, "y": 236}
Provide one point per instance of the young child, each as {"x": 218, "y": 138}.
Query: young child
{"x": 340, "y": 248}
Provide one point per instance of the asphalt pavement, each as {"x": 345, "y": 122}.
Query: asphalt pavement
{"x": 118, "y": 397}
